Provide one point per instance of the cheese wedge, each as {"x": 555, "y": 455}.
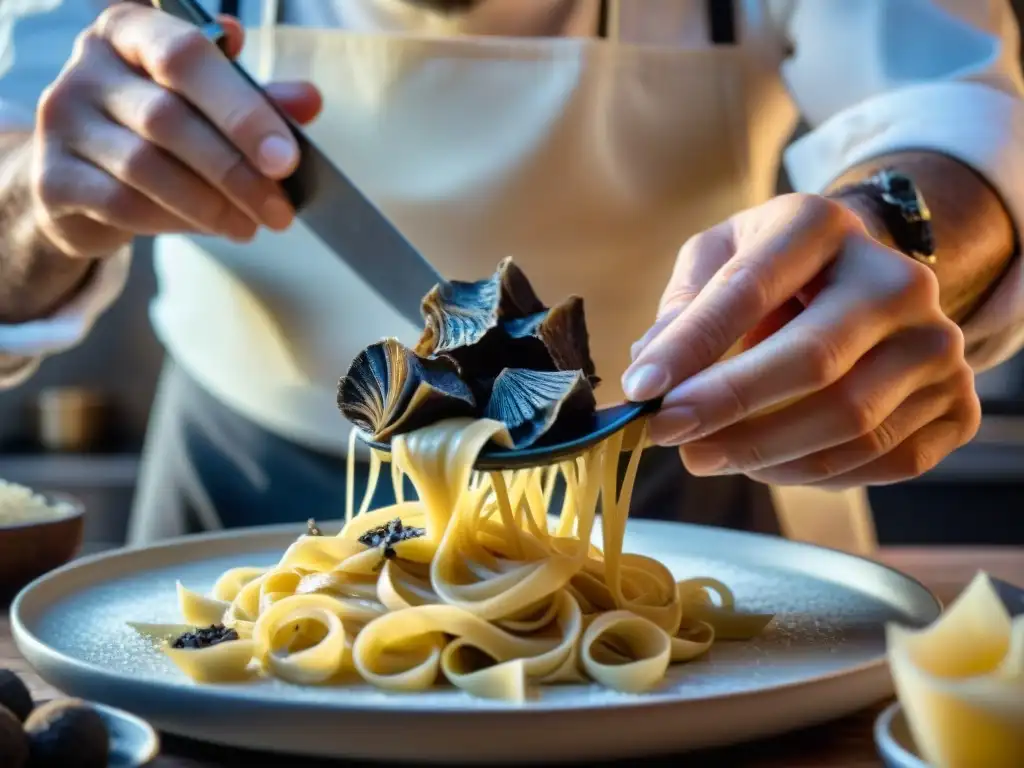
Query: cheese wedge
{"x": 961, "y": 682}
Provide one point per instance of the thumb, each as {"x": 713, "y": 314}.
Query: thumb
{"x": 300, "y": 100}
{"x": 697, "y": 262}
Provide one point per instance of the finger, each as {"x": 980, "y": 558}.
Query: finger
{"x": 149, "y": 170}
{"x": 696, "y": 263}
{"x": 164, "y": 119}
{"x": 875, "y": 293}
{"x": 915, "y": 456}
{"x": 178, "y": 57}
{"x": 758, "y": 279}
{"x": 302, "y": 101}
{"x": 854, "y": 406}
{"x": 918, "y": 411}
{"x": 234, "y": 35}
{"x": 811, "y": 352}
{"x": 74, "y": 186}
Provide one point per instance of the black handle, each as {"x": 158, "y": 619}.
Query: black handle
{"x": 299, "y": 186}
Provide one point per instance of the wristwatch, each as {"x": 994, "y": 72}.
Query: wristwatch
{"x": 901, "y": 209}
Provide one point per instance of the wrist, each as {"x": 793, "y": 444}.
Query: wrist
{"x": 891, "y": 202}
{"x": 38, "y": 275}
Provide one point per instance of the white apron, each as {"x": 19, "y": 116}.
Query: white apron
{"x": 588, "y": 161}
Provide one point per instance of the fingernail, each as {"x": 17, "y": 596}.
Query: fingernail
{"x": 645, "y": 382}
{"x": 673, "y": 425}
{"x": 277, "y": 156}
{"x": 277, "y": 213}
{"x": 705, "y": 459}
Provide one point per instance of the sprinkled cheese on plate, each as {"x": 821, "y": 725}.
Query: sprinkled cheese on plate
{"x": 20, "y": 505}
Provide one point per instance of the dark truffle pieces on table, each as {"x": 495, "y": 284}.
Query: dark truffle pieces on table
{"x": 14, "y": 695}
{"x": 14, "y": 747}
{"x": 66, "y": 733}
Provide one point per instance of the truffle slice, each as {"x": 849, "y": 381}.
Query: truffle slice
{"x": 534, "y": 404}
{"x": 390, "y": 389}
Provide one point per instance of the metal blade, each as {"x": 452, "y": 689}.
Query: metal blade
{"x": 352, "y": 226}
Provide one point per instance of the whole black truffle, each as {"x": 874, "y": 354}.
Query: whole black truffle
{"x": 14, "y": 695}
{"x": 13, "y": 741}
{"x": 67, "y": 732}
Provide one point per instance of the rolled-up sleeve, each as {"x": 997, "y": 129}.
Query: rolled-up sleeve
{"x": 875, "y": 77}
{"x": 36, "y": 37}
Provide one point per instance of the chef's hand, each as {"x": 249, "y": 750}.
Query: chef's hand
{"x": 148, "y": 129}
{"x": 844, "y": 344}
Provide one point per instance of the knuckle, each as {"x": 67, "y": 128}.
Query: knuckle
{"x": 50, "y": 186}
{"x": 120, "y": 200}
{"x": 239, "y": 118}
{"x": 821, "y": 208}
{"x": 819, "y": 467}
{"x": 950, "y": 345}
{"x": 709, "y": 340}
{"x": 676, "y": 296}
{"x": 963, "y": 382}
{"x": 55, "y": 105}
{"x": 749, "y": 284}
{"x": 829, "y": 215}
{"x": 822, "y": 359}
{"x": 882, "y": 439}
{"x": 161, "y": 115}
{"x": 916, "y": 286}
{"x": 917, "y": 459}
{"x": 968, "y": 406}
{"x": 113, "y": 16}
{"x": 750, "y": 456}
{"x": 859, "y": 415}
{"x": 731, "y": 403}
{"x": 237, "y": 176}
{"x": 140, "y": 161}
{"x": 88, "y": 43}
{"x": 179, "y": 53}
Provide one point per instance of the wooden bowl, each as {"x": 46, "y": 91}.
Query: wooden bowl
{"x": 28, "y": 550}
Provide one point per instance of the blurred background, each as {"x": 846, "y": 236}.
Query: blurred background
{"x": 78, "y": 427}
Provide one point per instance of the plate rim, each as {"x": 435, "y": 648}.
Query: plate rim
{"x": 24, "y": 637}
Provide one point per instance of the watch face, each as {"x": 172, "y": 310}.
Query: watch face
{"x": 912, "y": 221}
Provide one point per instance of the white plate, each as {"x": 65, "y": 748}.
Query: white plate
{"x": 823, "y": 657}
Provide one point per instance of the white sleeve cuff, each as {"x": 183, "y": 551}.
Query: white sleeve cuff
{"x": 978, "y": 125}
{"x": 29, "y": 342}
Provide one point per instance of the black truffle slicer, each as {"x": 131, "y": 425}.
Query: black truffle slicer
{"x": 348, "y": 223}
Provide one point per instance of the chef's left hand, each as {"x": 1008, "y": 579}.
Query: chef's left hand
{"x": 844, "y": 344}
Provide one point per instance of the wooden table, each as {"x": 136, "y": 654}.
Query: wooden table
{"x": 843, "y": 744}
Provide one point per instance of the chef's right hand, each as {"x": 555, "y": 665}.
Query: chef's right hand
{"x": 149, "y": 129}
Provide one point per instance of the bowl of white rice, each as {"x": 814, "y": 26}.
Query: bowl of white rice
{"x": 38, "y": 532}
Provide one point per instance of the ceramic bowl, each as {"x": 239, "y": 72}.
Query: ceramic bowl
{"x": 30, "y": 549}
{"x": 133, "y": 741}
{"x": 894, "y": 741}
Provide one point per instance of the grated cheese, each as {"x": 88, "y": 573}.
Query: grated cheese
{"x": 19, "y": 505}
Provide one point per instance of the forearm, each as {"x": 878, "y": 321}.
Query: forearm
{"x": 974, "y": 235}
{"x": 36, "y": 277}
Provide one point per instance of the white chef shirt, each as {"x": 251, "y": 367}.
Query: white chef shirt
{"x": 865, "y": 93}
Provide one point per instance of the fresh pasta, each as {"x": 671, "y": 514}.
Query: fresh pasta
{"x": 472, "y": 584}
